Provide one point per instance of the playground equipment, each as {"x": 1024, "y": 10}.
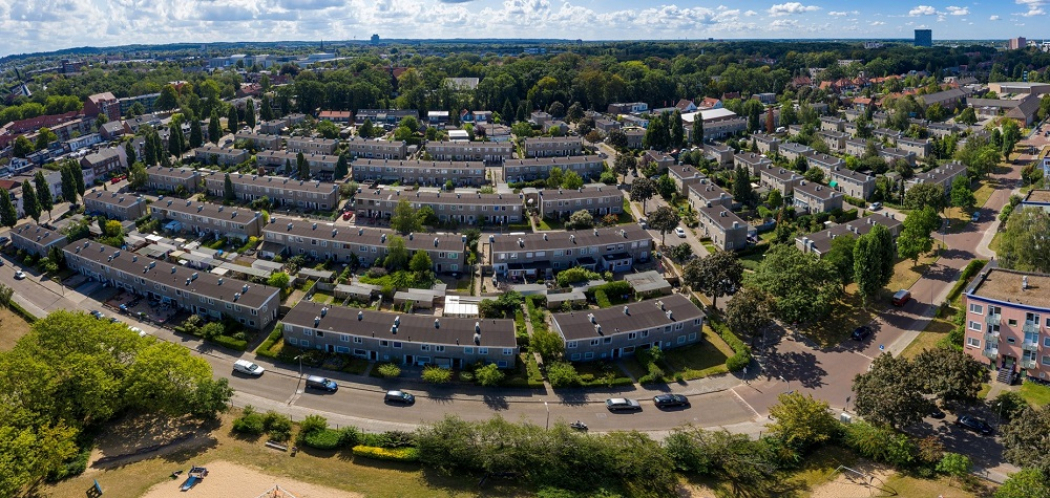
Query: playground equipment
{"x": 864, "y": 479}
{"x": 196, "y": 475}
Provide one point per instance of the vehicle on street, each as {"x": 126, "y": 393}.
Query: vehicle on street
{"x": 97, "y": 314}
{"x": 901, "y": 297}
{"x": 670, "y": 400}
{"x": 622, "y": 404}
{"x": 399, "y": 397}
{"x": 579, "y": 426}
{"x": 140, "y": 332}
{"x": 347, "y": 215}
{"x": 976, "y": 217}
{"x": 321, "y": 383}
{"x": 974, "y": 424}
{"x": 2, "y": 262}
{"x": 875, "y": 206}
{"x": 936, "y": 413}
{"x": 19, "y": 275}
{"x": 680, "y": 232}
{"x": 860, "y": 334}
{"x": 248, "y": 368}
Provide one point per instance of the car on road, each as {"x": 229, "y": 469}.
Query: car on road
{"x": 347, "y": 215}
{"x": 875, "y": 206}
{"x": 140, "y": 332}
{"x": 2, "y": 262}
{"x": 97, "y": 314}
{"x": 670, "y": 400}
{"x": 622, "y": 405}
{"x": 936, "y": 413}
{"x": 860, "y": 334}
{"x": 321, "y": 383}
{"x": 19, "y": 275}
{"x": 901, "y": 297}
{"x": 399, "y": 397}
{"x": 680, "y": 232}
{"x": 248, "y": 368}
{"x": 976, "y": 217}
{"x": 974, "y": 424}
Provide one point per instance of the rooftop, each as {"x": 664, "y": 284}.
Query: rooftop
{"x": 112, "y": 198}
{"x": 641, "y": 315}
{"x": 1038, "y": 196}
{"x": 181, "y": 173}
{"x": 431, "y": 197}
{"x": 277, "y": 181}
{"x": 587, "y": 192}
{"x": 363, "y": 236}
{"x": 568, "y": 240}
{"x": 205, "y": 209}
{"x": 1007, "y": 286}
{"x": 421, "y": 165}
{"x": 815, "y": 190}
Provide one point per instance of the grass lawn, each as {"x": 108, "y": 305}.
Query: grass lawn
{"x": 696, "y": 361}
{"x": 994, "y": 244}
{"x": 709, "y": 246}
{"x": 542, "y": 225}
{"x": 958, "y": 218}
{"x": 322, "y": 297}
{"x": 463, "y": 285}
{"x": 935, "y": 331}
{"x": 601, "y": 373}
{"x": 526, "y": 373}
{"x": 1035, "y": 394}
{"x": 12, "y": 328}
{"x": 985, "y": 389}
{"x": 751, "y": 261}
{"x": 906, "y": 272}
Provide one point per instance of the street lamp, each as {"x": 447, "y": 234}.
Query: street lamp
{"x": 300, "y": 381}
{"x": 547, "y": 426}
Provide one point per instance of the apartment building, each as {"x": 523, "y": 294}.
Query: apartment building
{"x": 832, "y": 123}
{"x": 282, "y": 192}
{"x": 751, "y": 161}
{"x": 812, "y": 197}
{"x": 792, "y": 150}
{"x": 541, "y": 255}
{"x": 202, "y": 293}
{"x": 718, "y": 123}
{"x": 781, "y": 179}
{"x": 280, "y": 161}
{"x": 721, "y": 154}
{"x": 105, "y": 161}
{"x": 1037, "y": 199}
{"x": 258, "y": 141}
{"x": 486, "y": 152}
{"x": 115, "y": 205}
{"x": 419, "y": 340}
{"x": 943, "y": 175}
{"x": 766, "y": 142}
{"x": 684, "y": 173}
{"x": 325, "y": 241}
{"x": 1008, "y": 322}
{"x": 466, "y": 208}
{"x": 704, "y": 192}
{"x": 851, "y": 183}
{"x": 423, "y": 173}
{"x": 163, "y": 179}
{"x": 819, "y": 243}
{"x": 310, "y": 145}
{"x": 727, "y": 231}
{"x": 553, "y": 146}
{"x": 921, "y": 148}
{"x": 376, "y": 149}
{"x": 835, "y": 140}
{"x": 281, "y": 125}
{"x": 35, "y": 239}
{"x": 210, "y": 154}
{"x": 206, "y": 219}
{"x": 599, "y": 200}
{"x": 607, "y": 334}
{"x": 536, "y": 168}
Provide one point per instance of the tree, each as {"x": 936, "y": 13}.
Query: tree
{"x": 328, "y": 129}
{"x": 44, "y": 195}
{"x": 137, "y": 176}
{"x": 548, "y": 344}
{"x": 642, "y": 189}
{"x": 427, "y": 217}
{"x": 677, "y": 131}
{"x": 623, "y": 164}
{"x": 168, "y": 99}
{"x": 717, "y": 275}
{"x": 265, "y": 108}
{"x": 698, "y": 130}
{"x": 556, "y": 109}
{"x": 489, "y": 375}
{"x": 891, "y": 393}
{"x": 44, "y": 136}
{"x": 802, "y": 422}
{"x": 915, "y": 239}
{"x": 1007, "y": 406}
{"x": 8, "y": 214}
{"x": 421, "y": 263}
{"x": 581, "y": 219}
{"x": 521, "y": 129}
{"x": 397, "y": 256}
{"x": 303, "y": 166}
{"x": 196, "y": 134}
{"x": 571, "y": 181}
{"x": 366, "y": 130}
{"x": 962, "y": 195}
{"x": 404, "y": 220}
{"x": 1024, "y": 440}
{"x": 575, "y": 112}
{"x": 214, "y": 128}
{"x": 954, "y": 465}
{"x": 770, "y": 121}
{"x": 30, "y": 201}
{"x": 342, "y": 167}
{"x": 925, "y": 194}
{"x": 23, "y": 147}
{"x": 680, "y": 253}
{"x": 279, "y": 280}
{"x": 815, "y": 175}
{"x": 137, "y": 109}
{"x": 888, "y": 248}
{"x": 129, "y": 151}
{"x": 775, "y": 199}
{"x": 228, "y": 192}
{"x": 840, "y": 256}
{"x": 1024, "y": 484}
{"x": 1023, "y": 246}
{"x": 78, "y": 176}
{"x": 951, "y": 375}
{"x": 967, "y": 117}
{"x": 750, "y": 311}
{"x": 867, "y": 267}
{"x": 231, "y": 119}
{"x": 742, "y": 186}
{"x": 69, "y": 184}
{"x": 249, "y": 114}
{"x": 802, "y": 286}
{"x": 664, "y": 219}
{"x": 617, "y": 138}
{"x": 176, "y": 142}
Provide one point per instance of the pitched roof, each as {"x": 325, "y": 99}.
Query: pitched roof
{"x": 363, "y": 236}
{"x": 568, "y": 240}
{"x": 641, "y": 315}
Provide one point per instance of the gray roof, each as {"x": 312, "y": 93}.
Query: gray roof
{"x": 559, "y": 161}
{"x": 725, "y": 218}
{"x": 781, "y": 174}
{"x": 112, "y": 198}
{"x": 211, "y": 149}
{"x": 429, "y": 197}
{"x": 205, "y": 209}
{"x": 363, "y": 236}
{"x": 815, "y": 190}
{"x": 420, "y": 165}
{"x": 953, "y": 93}
{"x": 180, "y": 173}
{"x": 506, "y": 146}
{"x": 553, "y": 140}
{"x": 649, "y": 314}
{"x": 706, "y": 190}
{"x": 316, "y": 186}
{"x": 647, "y": 281}
{"x": 40, "y": 235}
{"x": 939, "y": 174}
{"x": 751, "y": 158}
{"x": 794, "y": 147}
{"x": 567, "y": 240}
{"x": 587, "y": 192}
{"x": 822, "y": 240}
{"x": 101, "y": 155}
{"x": 418, "y": 329}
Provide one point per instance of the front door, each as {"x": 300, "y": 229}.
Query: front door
{"x": 1008, "y": 362}
{"x": 330, "y": 348}
{"x": 616, "y": 353}
{"x": 372, "y": 355}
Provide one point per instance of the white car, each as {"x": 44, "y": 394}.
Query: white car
{"x": 247, "y": 367}
{"x": 680, "y": 232}
{"x": 140, "y": 332}
{"x": 19, "y": 275}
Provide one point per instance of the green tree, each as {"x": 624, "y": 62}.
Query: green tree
{"x": 265, "y": 108}
{"x": 967, "y": 117}
{"x": 571, "y": 181}
{"x": 228, "y": 192}
{"x": 8, "y": 215}
{"x": 548, "y": 344}
{"x": 437, "y": 375}
{"x": 742, "y": 186}
{"x": 1024, "y": 440}
{"x": 176, "y": 142}
{"x": 231, "y": 119}
{"x": 427, "y": 217}
{"x": 575, "y": 112}
{"x": 624, "y": 163}
{"x": 214, "y": 127}
{"x": 1007, "y": 406}
{"x": 196, "y": 134}
{"x": 891, "y": 393}
{"x": 1024, "y": 484}
{"x": 30, "y": 202}
{"x": 342, "y": 168}
{"x": 366, "y": 131}
{"x": 249, "y": 114}
{"x": 137, "y": 109}
{"x": 677, "y": 131}
{"x": 867, "y": 267}
{"x": 664, "y": 219}
{"x": 303, "y": 166}
{"x": 581, "y": 219}
{"x": 717, "y": 275}
{"x": 328, "y": 129}
{"x": 521, "y": 129}
{"x": 915, "y": 239}
{"x": 404, "y": 220}
{"x": 421, "y": 263}
{"x": 44, "y": 195}
{"x": 802, "y": 422}
{"x": 488, "y": 375}
{"x": 555, "y": 178}
{"x": 666, "y": 187}
{"x": 69, "y": 184}
{"x": 23, "y": 147}
{"x": 562, "y": 374}
{"x": 775, "y": 199}
{"x": 397, "y": 256}
{"x": 129, "y": 151}
{"x": 78, "y": 176}
{"x": 951, "y": 375}
{"x": 168, "y": 99}
{"x": 1022, "y": 245}
{"x": 642, "y": 189}
{"x": 279, "y": 279}
{"x": 44, "y": 136}
{"x": 137, "y": 177}
{"x": 802, "y": 286}
{"x": 925, "y": 194}
{"x": 750, "y": 311}
{"x": 962, "y": 195}
{"x": 840, "y": 256}
{"x": 698, "y": 130}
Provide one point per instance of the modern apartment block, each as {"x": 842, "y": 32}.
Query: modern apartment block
{"x": 553, "y": 146}
{"x": 384, "y": 116}
{"x": 405, "y": 339}
{"x": 727, "y": 231}
{"x": 259, "y": 140}
{"x": 943, "y": 175}
{"x": 202, "y": 293}
{"x": 322, "y": 241}
{"x": 466, "y": 208}
{"x": 114, "y": 205}
{"x": 543, "y": 254}
{"x": 281, "y": 161}
{"x": 486, "y": 152}
{"x": 210, "y": 154}
{"x": 536, "y": 168}
{"x": 599, "y": 200}
{"x": 1008, "y": 322}
{"x": 781, "y": 179}
{"x": 816, "y": 198}
{"x": 423, "y": 173}
{"x": 207, "y": 219}
{"x": 610, "y": 333}
{"x": 35, "y": 239}
{"x": 376, "y": 149}
{"x": 170, "y": 179}
{"x": 282, "y": 192}
{"x": 309, "y": 145}
{"x": 1037, "y": 199}
{"x": 704, "y": 192}
{"x": 819, "y": 243}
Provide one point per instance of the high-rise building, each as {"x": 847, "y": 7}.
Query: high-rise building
{"x": 375, "y": 39}
{"x": 923, "y": 38}
{"x": 1018, "y": 43}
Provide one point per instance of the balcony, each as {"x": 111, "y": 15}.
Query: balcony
{"x": 1028, "y": 364}
{"x": 991, "y": 337}
{"x": 991, "y": 319}
{"x": 1030, "y": 346}
{"x": 1030, "y": 328}
{"x": 991, "y": 353}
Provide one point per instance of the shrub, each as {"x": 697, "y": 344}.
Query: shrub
{"x": 575, "y": 275}
{"x": 393, "y": 455}
{"x": 231, "y": 342}
{"x": 602, "y": 299}
{"x": 312, "y": 423}
{"x": 466, "y": 376}
{"x": 376, "y": 272}
{"x": 489, "y": 375}
{"x": 349, "y": 436}
{"x": 562, "y": 374}
{"x": 249, "y": 423}
{"x": 971, "y": 269}
{"x": 388, "y": 370}
{"x": 742, "y": 353}
{"x": 278, "y": 426}
{"x": 437, "y": 375}
{"x": 325, "y": 439}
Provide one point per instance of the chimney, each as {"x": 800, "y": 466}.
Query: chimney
{"x": 437, "y": 323}
{"x": 360, "y": 315}
{"x": 626, "y": 311}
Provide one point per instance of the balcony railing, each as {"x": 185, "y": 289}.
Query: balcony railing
{"x": 991, "y": 353}
{"x": 1030, "y": 346}
{"x": 991, "y": 337}
{"x": 991, "y": 319}
{"x": 1027, "y": 364}
{"x": 1030, "y": 328}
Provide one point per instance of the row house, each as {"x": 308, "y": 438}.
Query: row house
{"x": 704, "y": 192}
{"x": 766, "y": 143}
{"x": 635, "y": 138}
{"x": 204, "y": 294}
{"x": 825, "y": 162}
{"x": 537, "y": 168}
{"x": 163, "y": 179}
{"x": 611, "y": 333}
{"x": 921, "y": 148}
{"x": 835, "y": 140}
{"x": 1008, "y": 323}
{"x": 115, "y": 205}
{"x": 721, "y": 154}
{"x": 466, "y": 208}
{"x": 781, "y": 179}
{"x": 376, "y": 149}
{"x": 552, "y": 146}
{"x": 886, "y": 134}
{"x": 792, "y": 151}
{"x": 832, "y": 123}
{"x": 282, "y": 161}
{"x": 942, "y": 130}
{"x": 338, "y": 117}
{"x": 487, "y": 152}
{"x": 727, "y": 231}
{"x": 281, "y": 125}
{"x": 325, "y": 241}
{"x": 35, "y": 239}
{"x": 662, "y": 160}
{"x": 282, "y": 192}
{"x": 943, "y": 175}
{"x": 423, "y": 173}
{"x": 856, "y": 147}
{"x": 949, "y": 99}
{"x": 105, "y": 161}
{"x": 599, "y": 200}
{"x": 541, "y": 255}
{"x": 207, "y": 219}
{"x": 52, "y": 178}
{"x": 810, "y": 198}
{"x": 390, "y": 117}
{"x": 417, "y": 340}
{"x": 258, "y": 140}
{"x": 851, "y": 183}
{"x": 627, "y": 108}
{"x": 309, "y": 145}
{"x": 853, "y": 129}
{"x": 133, "y": 125}
{"x": 682, "y": 174}
{"x": 752, "y": 162}
{"x": 893, "y": 154}
{"x": 210, "y": 154}
{"x": 819, "y": 243}
{"x": 880, "y": 118}
{"x": 852, "y": 115}
{"x": 718, "y": 123}
{"x": 475, "y": 117}
{"x": 606, "y": 125}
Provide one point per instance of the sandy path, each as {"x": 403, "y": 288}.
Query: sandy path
{"x": 228, "y": 480}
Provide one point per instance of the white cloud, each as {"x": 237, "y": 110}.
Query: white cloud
{"x": 789, "y": 8}
{"x": 877, "y": 23}
{"x": 922, "y": 10}
{"x": 750, "y": 13}
{"x": 838, "y": 14}
{"x": 1035, "y": 7}
{"x": 784, "y": 24}
{"x": 957, "y": 11}
{"x": 994, "y": 18}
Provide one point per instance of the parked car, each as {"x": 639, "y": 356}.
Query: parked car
{"x": 248, "y": 368}
{"x": 680, "y": 232}
{"x": 974, "y": 424}
{"x": 2, "y": 262}
{"x": 901, "y": 297}
{"x": 862, "y": 333}
{"x": 875, "y": 206}
{"x": 976, "y": 217}
{"x": 622, "y": 404}
{"x": 98, "y": 314}
{"x": 4, "y": 240}
{"x": 19, "y": 275}
{"x": 399, "y": 397}
{"x": 347, "y": 215}
{"x": 670, "y": 400}
{"x": 936, "y": 413}
{"x": 321, "y": 383}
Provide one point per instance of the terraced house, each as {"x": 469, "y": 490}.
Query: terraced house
{"x": 486, "y": 152}
{"x": 281, "y": 161}
{"x": 704, "y": 192}
{"x": 751, "y": 161}
{"x": 259, "y": 140}
{"x": 291, "y": 236}
{"x": 282, "y": 192}
{"x": 467, "y": 208}
{"x": 35, "y": 239}
{"x": 766, "y": 142}
{"x": 210, "y": 154}
{"x": 423, "y": 173}
{"x": 553, "y": 146}
{"x": 201, "y": 293}
{"x": 206, "y": 219}
{"x": 376, "y": 149}
{"x": 611, "y": 333}
{"x": 543, "y": 254}
{"x": 114, "y": 205}
{"x": 815, "y": 198}
{"x": 309, "y": 145}
{"x": 819, "y": 243}
{"x": 409, "y": 339}
{"x": 537, "y": 168}
{"x": 599, "y": 200}
{"x": 727, "y": 231}
{"x": 781, "y": 179}
{"x": 851, "y": 183}
{"x": 835, "y": 140}
{"x": 943, "y": 175}
{"x": 792, "y": 150}
{"x": 163, "y": 179}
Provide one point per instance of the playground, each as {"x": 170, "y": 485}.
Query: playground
{"x": 229, "y": 480}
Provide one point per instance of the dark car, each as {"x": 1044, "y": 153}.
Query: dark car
{"x": 861, "y": 333}
{"x": 622, "y": 404}
{"x": 399, "y": 397}
{"x": 97, "y": 314}
{"x": 936, "y": 413}
{"x": 670, "y": 400}
{"x": 974, "y": 424}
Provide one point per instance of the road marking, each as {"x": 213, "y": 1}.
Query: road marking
{"x": 745, "y": 403}
{"x": 864, "y": 355}
{"x": 294, "y": 397}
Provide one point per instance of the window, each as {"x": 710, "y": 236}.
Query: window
{"x": 308, "y": 332}
{"x": 397, "y": 345}
{"x": 588, "y": 356}
{"x": 692, "y": 337}
{"x": 292, "y": 340}
{"x": 357, "y": 340}
{"x": 304, "y": 343}
{"x": 973, "y": 342}
{"x": 468, "y": 350}
{"x": 975, "y": 325}
{"x": 483, "y": 350}
{"x": 607, "y": 340}
{"x": 632, "y": 335}
{"x": 681, "y": 339}
{"x": 1012, "y": 322}
{"x": 508, "y": 352}
{"x": 424, "y": 347}
{"x": 384, "y": 343}
{"x": 576, "y": 356}
{"x": 439, "y": 349}
{"x": 1046, "y": 360}
{"x": 679, "y": 326}
{"x": 1046, "y": 342}
{"x": 571, "y": 345}
{"x": 645, "y": 333}
{"x": 976, "y": 308}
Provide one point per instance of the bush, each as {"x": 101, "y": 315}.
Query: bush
{"x": 394, "y": 455}
{"x": 267, "y": 345}
{"x": 278, "y": 426}
{"x": 250, "y": 423}
{"x": 742, "y": 353}
{"x": 388, "y": 370}
{"x": 489, "y": 375}
{"x": 602, "y": 299}
{"x": 562, "y": 374}
{"x": 466, "y": 376}
{"x": 855, "y": 201}
{"x": 325, "y": 439}
{"x": 312, "y": 423}
{"x": 964, "y": 278}
{"x": 231, "y": 342}
{"x": 575, "y": 275}
{"x": 437, "y": 375}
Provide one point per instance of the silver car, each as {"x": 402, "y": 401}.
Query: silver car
{"x": 622, "y": 404}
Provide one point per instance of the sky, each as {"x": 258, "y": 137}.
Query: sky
{"x": 43, "y": 25}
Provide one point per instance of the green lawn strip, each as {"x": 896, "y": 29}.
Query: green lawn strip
{"x": 1035, "y": 394}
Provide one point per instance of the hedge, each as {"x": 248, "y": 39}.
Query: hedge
{"x": 407, "y": 455}
{"x": 602, "y": 299}
{"x": 742, "y": 356}
{"x": 327, "y": 439}
{"x": 230, "y": 342}
{"x": 964, "y": 278}
{"x": 20, "y": 311}
{"x": 855, "y": 201}
{"x": 264, "y": 349}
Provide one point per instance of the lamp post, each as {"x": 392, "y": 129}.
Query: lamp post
{"x": 547, "y": 426}
{"x": 300, "y": 381}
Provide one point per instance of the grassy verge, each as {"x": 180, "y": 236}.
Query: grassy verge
{"x": 698, "y": 360}
{"x": 1035, "y": 394}
{"x": 12, "y": 328}
{"x": 936, "y": 330}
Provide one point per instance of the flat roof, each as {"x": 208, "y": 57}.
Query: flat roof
{"x": 418, "y": 329}
{"x": 648, "y": 314}
{"x": 1038, "y": 196}
{"x": 1006, "y": 285}
{"x": 647, "y": 281}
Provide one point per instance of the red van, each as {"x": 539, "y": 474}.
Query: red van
{"x": 901, "y": 297}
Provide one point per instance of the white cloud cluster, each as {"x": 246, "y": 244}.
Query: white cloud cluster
{"x": 957, "y": 11}
{"x": 922, "y": 10}
{"x": 1035, "y": 7}
{"x": 790, "y": 8}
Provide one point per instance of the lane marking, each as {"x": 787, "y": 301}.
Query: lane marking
{"x": 745, "y": 403}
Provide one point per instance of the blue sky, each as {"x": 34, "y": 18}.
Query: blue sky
{"x": 37, "y": 25}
